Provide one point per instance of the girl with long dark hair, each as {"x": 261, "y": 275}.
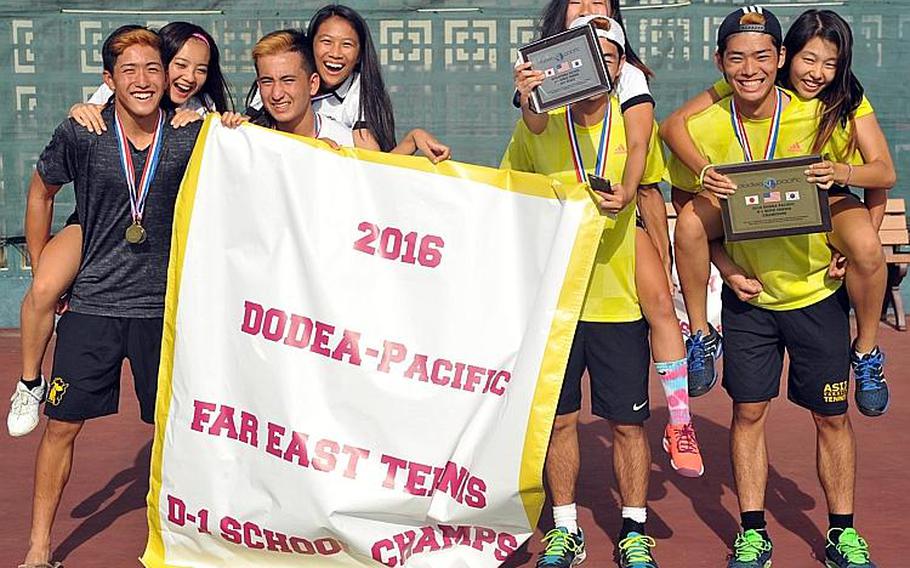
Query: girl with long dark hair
{"x": 196, "y": 86}
{"x": 351, "y": 74}
{"x": 819, "y": 47}
{"x": 652, "y": 268}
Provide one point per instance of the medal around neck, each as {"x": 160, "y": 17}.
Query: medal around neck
{"x": 573, "y": 67}
{"x": 135, "y": 234}
{"x": 138, "y": 189}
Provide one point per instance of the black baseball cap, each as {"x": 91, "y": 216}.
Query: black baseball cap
{"x": 750, "y": 19}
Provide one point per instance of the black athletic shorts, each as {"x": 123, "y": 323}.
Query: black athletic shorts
{"x": 90, "y": 351}
{"x": 817, "y": 339}
{"x": 837, "y": 190}
{"x": 617, "y": 357}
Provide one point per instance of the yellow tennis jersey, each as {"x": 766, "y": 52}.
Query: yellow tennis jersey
{"x": 837, "y": 146}
{"x": 611, "y": 296}
{"x": 793, "y": 270}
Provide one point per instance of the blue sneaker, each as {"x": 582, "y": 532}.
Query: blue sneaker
{"x": 752, "y": 549}
{"x": 564, "y": 549}
{"x": 634, "y": 551}
{"x": 702, "y": 352}
{"x": 846, "y": 549}
{"x": 871, "y": 388}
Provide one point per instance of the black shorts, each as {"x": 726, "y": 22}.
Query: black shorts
{"x": 817, "y": 339}
{"x": 838, "y": 190}
{"x": 90, "y": 351}
{"x": 617, "y": 357}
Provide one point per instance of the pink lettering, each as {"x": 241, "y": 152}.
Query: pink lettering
{"x": 323, "y": 332}
{"x": 300, "y": 331}
{"x": 507, "y": 544}
{"x": 417, "y": 475}
{"x": 297, "y": 449}
{"x": 350, "y": 346}
{"x": 252, "y": 318}
{"x": 379, "y": 553}
{"x": 230, "y": 530}
{"x": 249, "y": 429}
{"x": 276, "y": 541}
{"x": 394, "y": 465}
{"x": 354, "y": 456}
{"x": 325, "y": 459}
{"x": 201, "y": 414}
{"x": 436, "y": 377}
{"x": 391, "y": 353}
{"x": 473, "y": 377}
{"x": 273, "y": 324}
{"x": 249, "y": 531}
{"x": 274, "y": 432}
{"x": 418, "y": 367}
{"x": 225, "y": 421}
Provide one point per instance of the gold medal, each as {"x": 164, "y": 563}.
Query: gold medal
{"x": 135, "y": 234}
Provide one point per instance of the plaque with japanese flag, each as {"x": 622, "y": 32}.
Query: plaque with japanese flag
{"x": 773, "y": 199}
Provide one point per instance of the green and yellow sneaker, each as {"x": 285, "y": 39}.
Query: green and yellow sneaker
{"x": 846, "y": 549}
{"x": 564, "y": 549}
{"x": 634, "y": 551}
{"x": 752, "y": 549}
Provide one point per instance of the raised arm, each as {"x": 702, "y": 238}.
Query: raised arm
{"x": 526, "y": 80}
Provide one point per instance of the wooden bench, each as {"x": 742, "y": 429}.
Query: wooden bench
{"x": 895, "y": 241}
{"x": 896, "y": 246}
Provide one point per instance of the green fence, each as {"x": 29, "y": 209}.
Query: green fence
{"x": 447, "y": 65}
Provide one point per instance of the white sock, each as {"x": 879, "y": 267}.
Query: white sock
{"x": 637, "y": 514}
{"x": 566, "y": 516}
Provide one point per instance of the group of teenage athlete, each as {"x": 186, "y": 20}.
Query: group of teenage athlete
{"x": 126, "y": 151}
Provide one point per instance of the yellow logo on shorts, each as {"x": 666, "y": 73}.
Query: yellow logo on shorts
{"x": 835, "y": 392}
{"x": 56, "y": 390}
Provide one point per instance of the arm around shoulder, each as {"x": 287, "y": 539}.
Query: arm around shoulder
{"x": 674, "y": 131}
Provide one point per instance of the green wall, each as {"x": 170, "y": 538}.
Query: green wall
{"x": 448, "y": 69}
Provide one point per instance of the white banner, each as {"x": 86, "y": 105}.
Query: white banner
{"x": 362, "y": 356}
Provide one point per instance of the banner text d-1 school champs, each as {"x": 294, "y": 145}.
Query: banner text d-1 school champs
{"x": 368, "y": 393}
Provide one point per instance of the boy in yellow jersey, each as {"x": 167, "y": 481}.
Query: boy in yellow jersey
{"x": 778, "y": 293}
{"x": 611, "y": 339}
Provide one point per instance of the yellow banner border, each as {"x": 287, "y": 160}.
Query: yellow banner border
{"x": 556, "y": 355}
{"x": 153, "y": 557}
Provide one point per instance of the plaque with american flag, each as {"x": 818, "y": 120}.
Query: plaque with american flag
{"x": 773, "y": 199}
{"x": 573, "y": 68}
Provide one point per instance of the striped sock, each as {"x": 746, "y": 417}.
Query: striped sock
{"x": 674, "y": 378}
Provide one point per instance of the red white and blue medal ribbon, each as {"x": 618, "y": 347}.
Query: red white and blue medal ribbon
{"x": 601, "y": 165}
{"x": 317, "y": 126}
{"x": 743, "y": 138}
{"x": 139, "y": 191}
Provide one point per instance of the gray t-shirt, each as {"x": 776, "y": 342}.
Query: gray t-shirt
{"x": 116, "y": 278}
